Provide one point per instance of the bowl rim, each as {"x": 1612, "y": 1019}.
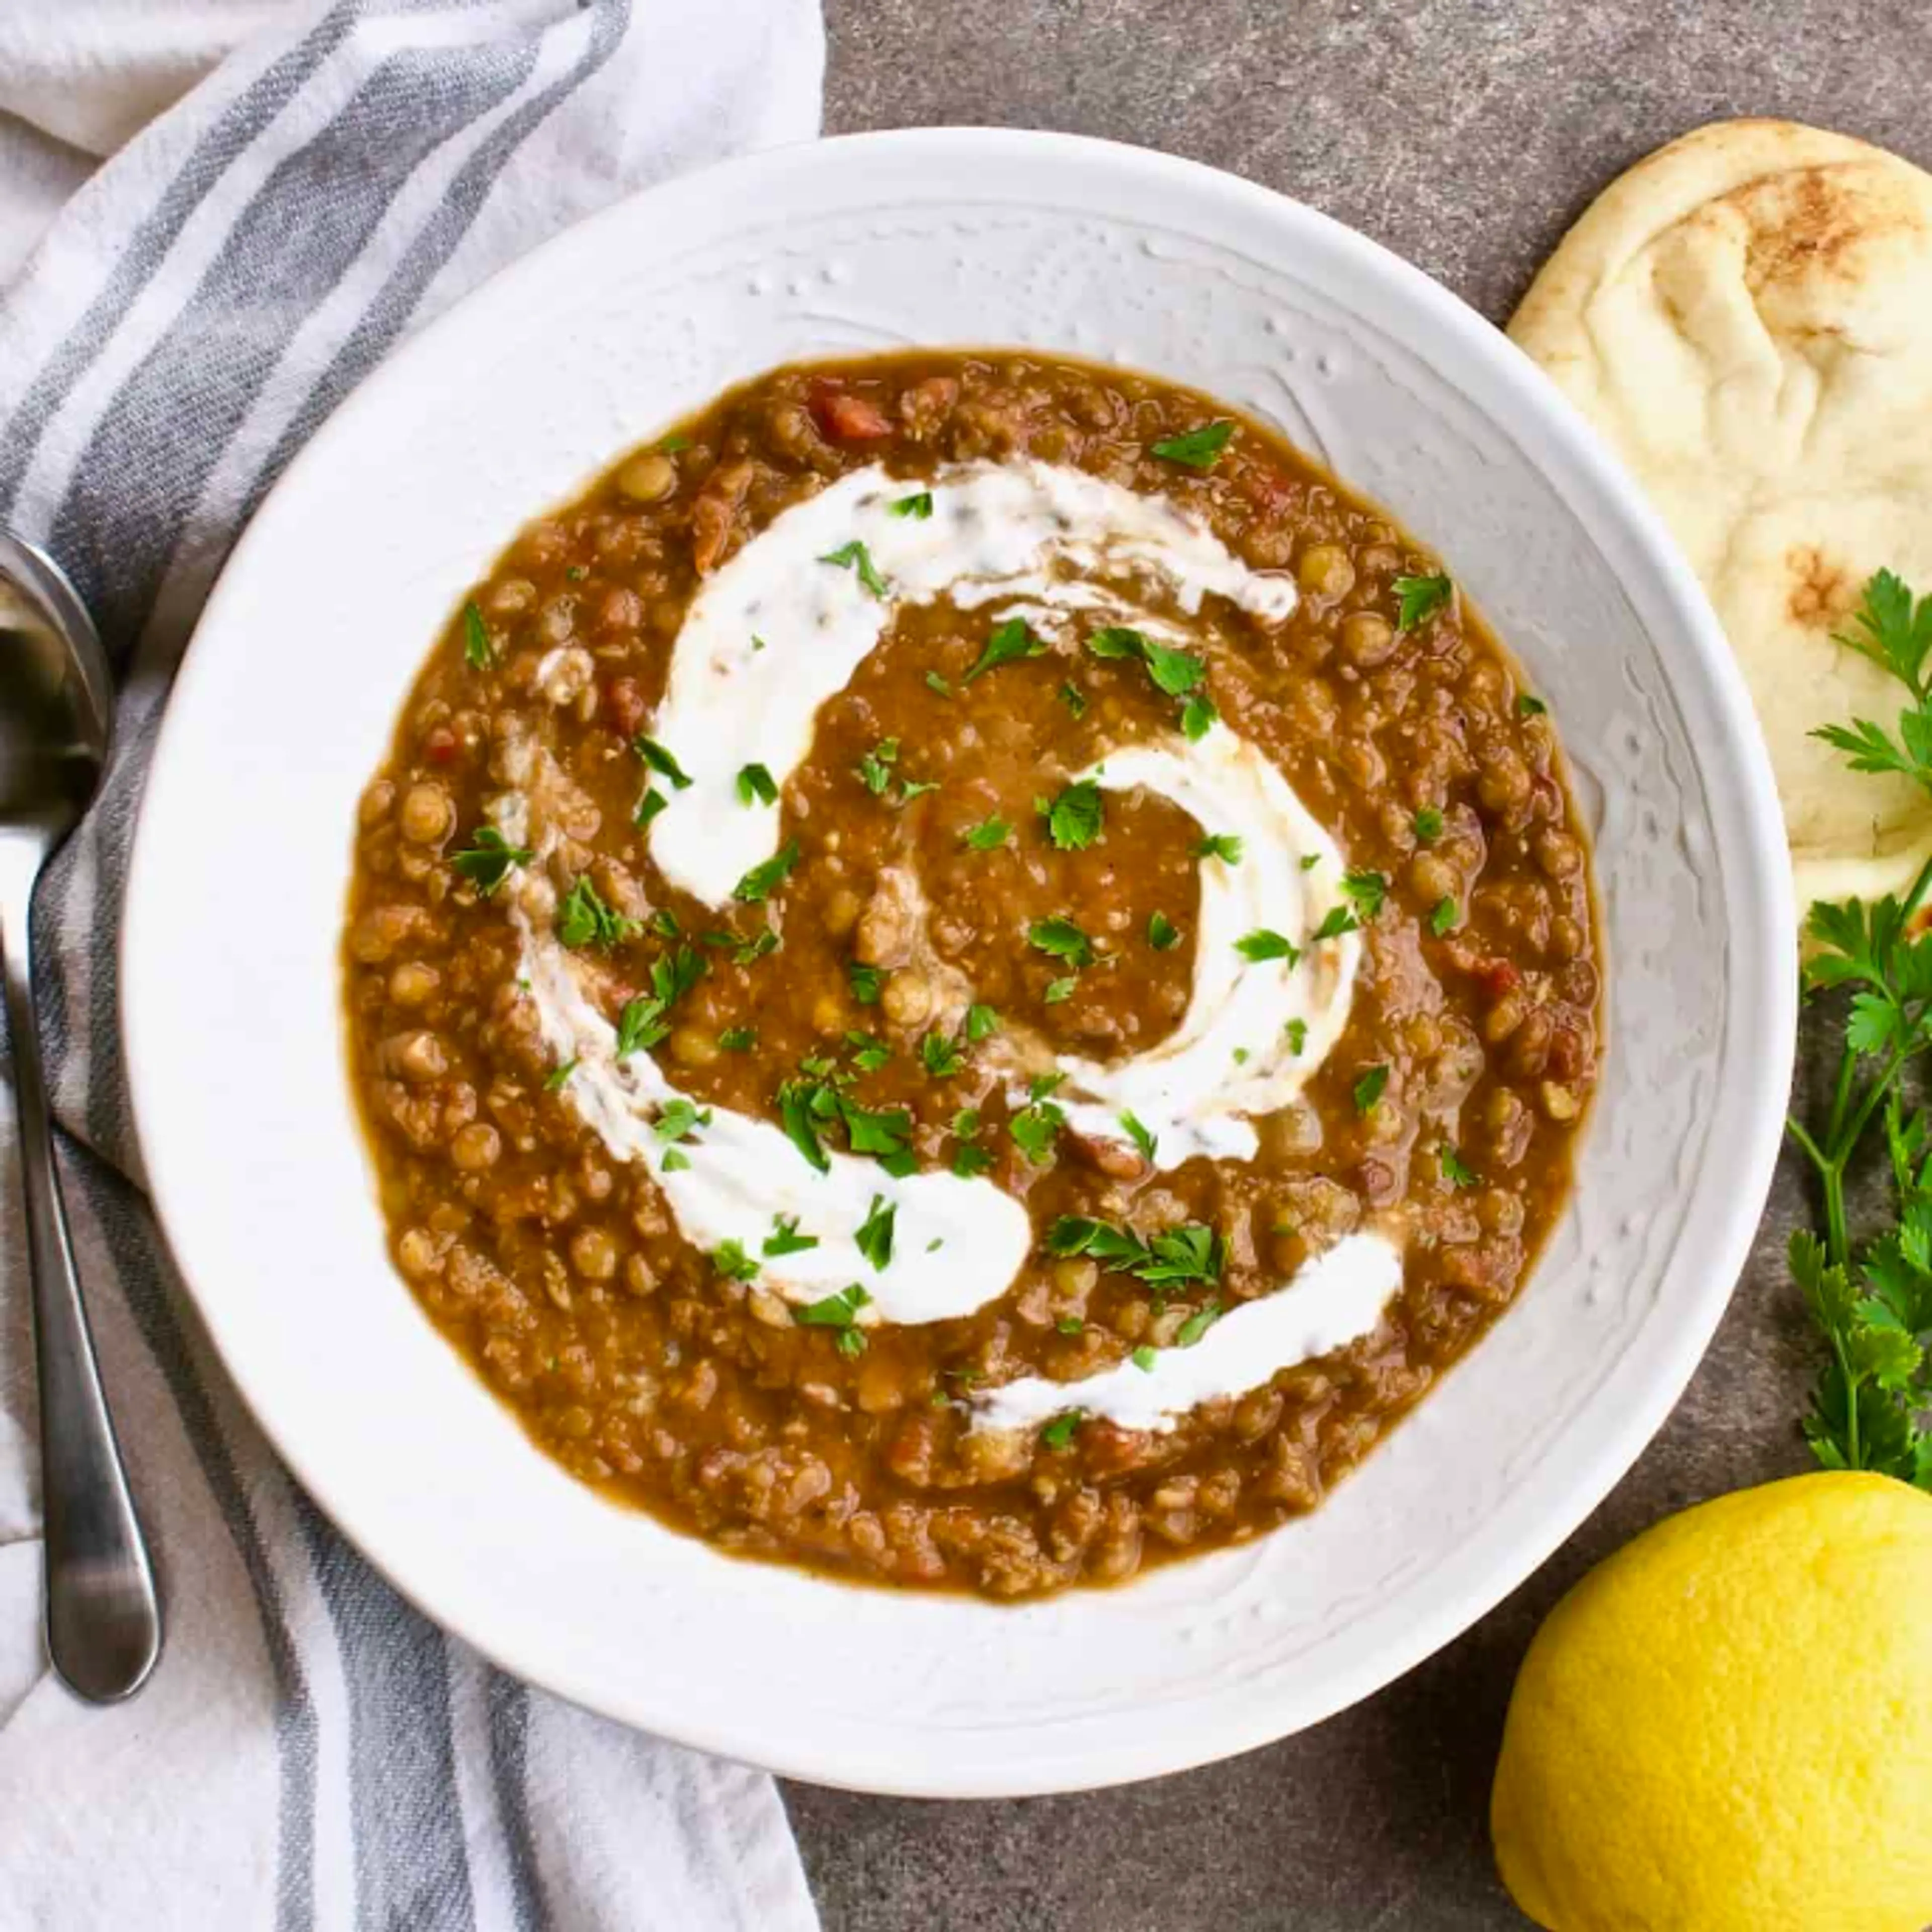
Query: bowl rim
{"x": 1762, "y": 976}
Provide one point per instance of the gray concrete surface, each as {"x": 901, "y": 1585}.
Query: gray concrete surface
{"x": 1465, "y": 134}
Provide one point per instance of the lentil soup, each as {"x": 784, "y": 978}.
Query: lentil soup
{"x": 969, "y": 974}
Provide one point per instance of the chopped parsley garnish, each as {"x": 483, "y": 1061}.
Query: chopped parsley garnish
{"x": 730, "y": 1260}
{"x": 1335, "y": 921}
{"x": 797, "y": 1116}
{"x": 1059, "y": 938}
{"x": 757, "y": 884}
{"x": 1060, "y": 1432}
{"x": 1453, "y": 1170}
{"x": 1041, "y": 1085}
{"x": 486, "y": 861}
{"x": 912, "y": 788}
{"x": 873, "y": 770}
{"x": 918, "y": 506}
{"x": 1240, "y": 1056}
{"x": 1070, "y": 1324}
{"x": 678, "y": 1118}
{"x": 1198, "y": 448}
{"x": 1013, "y": 639}
{"x": 1225, "y": 846}
{"x": 1196, "y": 715}
{"x": 1162, "y": 933}
{"x": 942, "y": 1058}
{"x": 559, "y": 1076}
{"x": 640, "y": 1025}
{"x": 1262, "y": 944}
{"x": 584, "y": 919}
{"x": 1144, "y": 1358}
{"x": 866, "y": 982}
{"x": 746, "y": 951}
{"x": 1074, "y": 819}
{"x": 664, "y": 923}
{"x": 1420, "y": 598}
{"x": 1190, "y": 1252}
{"x": 1366, "y": 892}
{"x": 855, "y": 556}
{"x": 869, "y": 1053}
{"x": 1426, "y": 825}
{"x": 674, "y": 1161}
{"x": 933, "y": 681}
{"x": 1176, "y": 673}
{"x": 982, "y": 1022}
{"x": 1071, "y": 695}
{"x": 738, "y": 1040}
{"x": 833, "y": 1311}
{"x": 659, "y": 760}
{"x": 969, "y": 1161}
{"x": 1139, "y": 1136}
{"x": 1058, "y": 991}
{"x": 754, "y": 784}
{"x": 1527, "y": 706}
{"x": 885, "y": 1135}
{"x": 1296, "y": 1032}
{"x": 1035, "y": 1128}
{"x": 1197, "y": 1324}
{"x": 652, "y": 803}
{"x": 784, "y": 1238}
{"x": 1369, "y": 1089}
{"x": 476, "y": 652}
{"x": 874, "y": 1237}
{"x": 989, "y": 834}
{"x": 670, "y": 444}
{"x": 1442, "y": 919}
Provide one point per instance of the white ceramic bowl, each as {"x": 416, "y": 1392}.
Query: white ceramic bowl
{"x": 511, "y": 402}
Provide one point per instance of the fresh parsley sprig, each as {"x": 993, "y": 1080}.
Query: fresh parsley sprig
{"x": 1875, "y": 1308}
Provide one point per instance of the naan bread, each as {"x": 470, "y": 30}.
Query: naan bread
{"x": 1746, "y": 315}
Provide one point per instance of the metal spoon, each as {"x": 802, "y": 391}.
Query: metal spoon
{"x": 56, "y": 724}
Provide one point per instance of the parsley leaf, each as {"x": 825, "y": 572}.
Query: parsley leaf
{"x": 933, "y": 681}
{"x": 1060, "y": 1432}
{"x": 1426, "y": 825}
{"x": 796, "y": 1116}
{"x": 1035, "y": 1128}
{"x": 982, "y": 1022}
{"x": 874, "y": 1239}
{"x": 738, "y": 1040}
{"x": 1366, "y": 892}
{"x": 755, "y": 785}
{"x": 1074, "y": 820}
{"x": 1528, "y": 705}
{"x": 758, "y": 883}
{"x": 559, "y": 1075}
{"x": 855, "y": 556}
{"x": 1197, "y": 1324}
{"x": 486, "y": 861}
{"x": 1453, "y": 1170}
{"x": 1071, "y": 695}
{"x": 1190, "y": 1252}
{"x": 1442, "y": 919}
{"x": 1420, "y": 598}
{"x": 866, "y": 982}
{"x": 1225, "y": 846}
{"x": 1136, "y": 1133}
{"x": 1296, "y": 1034}
{"x": 1369, "y": 1089}
{"x": 918, "y": 506}
{"x": 941, "y": 1057}
{"x": 584, "y": 919}
{"x": 659, "y": 760}
{"x": 1013, "y": 639}
{"x": 1162, "y": 932}
{"x": 989, "y": 834}
{"x": 1262, "y": 944}
{"x": 1196, "y": 715}
{"x": 833, "y": 1311}
{"x": 730, "y": 1260}
{"x": 652, "y": 803}
{"x": 476, "y": 652}
{"x": 873, "y": 769}
{"x": 784, "y": 1238}
{"x": 1198, "y": 448}
{"x": 1059, "y": 938}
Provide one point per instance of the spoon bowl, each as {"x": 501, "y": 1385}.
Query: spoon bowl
{"x": 56, "y": 730}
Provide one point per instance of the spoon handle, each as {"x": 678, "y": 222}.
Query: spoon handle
{"x": 103, "y": 1620}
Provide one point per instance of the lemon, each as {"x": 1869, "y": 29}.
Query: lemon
{"x": 1727, "y": 1726}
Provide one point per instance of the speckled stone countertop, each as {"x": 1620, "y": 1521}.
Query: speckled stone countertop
{"x": 1465, "y": 134}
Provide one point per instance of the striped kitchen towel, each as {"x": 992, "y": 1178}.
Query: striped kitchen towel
{"x": 289, "y": 187}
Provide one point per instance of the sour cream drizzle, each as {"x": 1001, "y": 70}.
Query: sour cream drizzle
{"x": 774, "y": 633}
{"x": 1338, "y": 1298}
{"x": 957, "y": 1244}
{"x": 998, "y": 532}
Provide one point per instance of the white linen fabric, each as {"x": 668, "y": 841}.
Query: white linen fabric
{"x": 216, "y": 216}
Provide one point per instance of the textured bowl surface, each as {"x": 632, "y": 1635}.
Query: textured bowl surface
{"x": 507, "y": 405}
